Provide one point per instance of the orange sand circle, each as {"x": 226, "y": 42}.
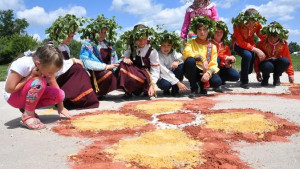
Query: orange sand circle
{"x": 107, "y": 122}
{"x": 159, "y": 149}
{"x": 240, "y": 122}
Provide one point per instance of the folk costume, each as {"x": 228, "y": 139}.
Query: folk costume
{"x": 196, "y": 52}
{"x": 278, "y": 59}
{"x": 95, "y": 59}
{"x": 194, "y": 69}
{"x": 227, "y": 73}
{"x": 170, "y": 77}
{"x": 142, "y": 74}
{"x": 72, "y": 78}
{"x": 75, "y": 82}
{"x": 243, "y": 41}
{"x": 201, "y": 9}
{"x": 97, "y": 53}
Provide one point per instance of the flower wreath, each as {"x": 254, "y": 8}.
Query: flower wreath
{"x": 91, "y": 31}
{"x": 170, "y": 37}
{"x": 222, "y": 25}
{"x": 208, "y": 23}
{"x": 276, "y": 30}
{"x": 63, "y": 26}
{"x": 243, "y": 19}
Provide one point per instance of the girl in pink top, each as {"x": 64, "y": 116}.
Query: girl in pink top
{"x": 198, "y": 8}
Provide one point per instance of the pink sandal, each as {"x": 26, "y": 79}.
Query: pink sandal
{"x": 22, "y": 110}
{"x": 35, "y": 125}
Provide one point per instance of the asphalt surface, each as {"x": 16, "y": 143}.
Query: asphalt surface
{"x": 23, "y": 148}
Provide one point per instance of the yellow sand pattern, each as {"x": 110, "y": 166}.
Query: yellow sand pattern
{"x": 159, "y": 149}
{"x": 160, "y": 107}
{"x": 107, "y": 122}
{"x": 240, "y": 122}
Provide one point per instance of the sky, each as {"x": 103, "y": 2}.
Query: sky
{"x": 40, "y": 14}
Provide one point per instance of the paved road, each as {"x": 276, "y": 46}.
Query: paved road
{"x": 23, "y": 148}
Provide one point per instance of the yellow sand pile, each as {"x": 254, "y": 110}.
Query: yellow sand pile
{"x": 160, "y": 107}
{"x": 240, "y": 122}
{"x": 107, "y": 122}
{"x": 159, "y": 149}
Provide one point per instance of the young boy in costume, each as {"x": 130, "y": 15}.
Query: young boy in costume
{"x": 245, "y": 26}
{"x": 225, "y": 59}
{"x": 277, "y": 53}
{"x": 200, "y": 57}
{"x": 139, "y": 70}
{"x": 171, "y": 63}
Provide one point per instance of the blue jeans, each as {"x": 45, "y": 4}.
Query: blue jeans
{"x": 166, "y": 85}
{"x": 194, "y": 77}
{"x": 228, "y": 74}
{"x": 276, "y": 66}
{"x": 247, "y": 62}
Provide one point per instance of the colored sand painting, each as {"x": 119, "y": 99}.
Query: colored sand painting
{"x": 171, "y": 134}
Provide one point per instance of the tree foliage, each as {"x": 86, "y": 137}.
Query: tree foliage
{"x": 294, "y": 47}
{"x": 10, "y": 26}
{"x": 12, "y": 46}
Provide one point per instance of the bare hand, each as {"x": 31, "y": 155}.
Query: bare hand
{"x": 181, "y": 86}
{"x": 230, "y": 59}
{"x": 259, "y": 53}
{"x": 258, "y": 77}
{"x": 291, "y": 79}
{"x": 112, "y": 66}
{"x": 151, "y": 91}
{"x": 174, "y": 65}
{"x": 35, "y": 72}
{"x": 127, "y": 61}
{"x": 78, "y": 61}
{"x": 63, "y": 112}
{"x": 205, "y": 77}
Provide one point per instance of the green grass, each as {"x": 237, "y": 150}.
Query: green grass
{"x": 295, "y": 60}
{"x": 237, "y": 66}
{"x": 3, "y": 72}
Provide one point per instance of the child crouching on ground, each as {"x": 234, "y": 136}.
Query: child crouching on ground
{"x": 277, "y": 53}
{"x": 26, "y": 85}
{"x": 200, "y": 57}
{"x": 171, "y": 63}
{"x": 225, "y": 59}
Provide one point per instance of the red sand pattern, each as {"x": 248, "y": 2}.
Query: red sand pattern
{"x": 216, "y": 148}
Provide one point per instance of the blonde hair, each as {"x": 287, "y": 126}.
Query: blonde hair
{"x": 49, "y": 54}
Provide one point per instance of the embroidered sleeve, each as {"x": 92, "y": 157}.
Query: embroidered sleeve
{"x": 188, "y": 50}
{"x": 237, "y": 34}
{"x": 89, "y": 61}
{"x": 155, "y": 68}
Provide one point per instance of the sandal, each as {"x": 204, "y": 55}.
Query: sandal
{"x": 22, "y": 110}
{"x": 35, "y": 125}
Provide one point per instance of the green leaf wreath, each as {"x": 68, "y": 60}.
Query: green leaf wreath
{"x": 243, "y": 19}
{"x": 129, "y": 38}
{"x": 165, "y": 36}
{"x": 222, "y": 25}
{"x": 63, "y": 26}
{"x": 276, "y": 30}
{"x": 207, "y": 22}
{"x": 91, "y": 31}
